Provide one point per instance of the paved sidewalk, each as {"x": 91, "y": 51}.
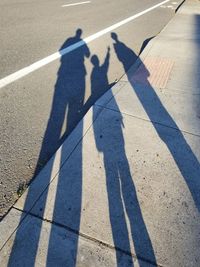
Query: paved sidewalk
{"x": 125, "y": 185}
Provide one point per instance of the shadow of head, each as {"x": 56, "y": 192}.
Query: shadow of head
{"x": 95, "y": 60}
{"x": 79, "y": 33}
{"x": 114, "y": 36}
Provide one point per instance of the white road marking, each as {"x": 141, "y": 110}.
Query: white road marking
{"x": 35, "y": 66}
{"x": 172, "y": 7}
{"x": 76, "y": 4}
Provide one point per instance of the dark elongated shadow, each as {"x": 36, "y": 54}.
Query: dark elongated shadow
{"x": 122, "y": 197}
{"x": 180, "y": 150}
{"x": 67, "y": 109}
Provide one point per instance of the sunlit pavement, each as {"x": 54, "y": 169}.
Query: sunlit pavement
{"x": 45, "y": 76}
{"x": 124, "y": 188}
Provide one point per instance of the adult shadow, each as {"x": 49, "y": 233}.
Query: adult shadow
{"x": 121, "y": 192}
{"x": 67, "y": 110}
{"x": 176, "y": 143}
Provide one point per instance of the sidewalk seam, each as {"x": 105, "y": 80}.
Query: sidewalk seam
{"x": 19, "y": 224}
{"x": 57, "y": 173}
{"x": 134, "y": 67}
{"x": 87, "y": 237}
{"x": 153, "y": 122}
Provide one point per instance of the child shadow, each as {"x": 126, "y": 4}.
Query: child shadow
{"x": 121, "y": 192}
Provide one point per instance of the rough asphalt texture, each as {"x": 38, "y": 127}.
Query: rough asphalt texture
{"x": 33, "y": 30}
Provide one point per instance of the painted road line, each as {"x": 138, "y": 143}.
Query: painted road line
{"x": 27, "y": 70}
{"x": 76, "y": 4}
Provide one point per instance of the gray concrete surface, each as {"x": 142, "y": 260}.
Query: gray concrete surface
{"x": 90, "y": 252}
{"x": 156, "y": 190}
{"x": 32, "y": 30}
{"x": 126, "y": 181}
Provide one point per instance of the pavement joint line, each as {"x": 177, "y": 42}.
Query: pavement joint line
{"x": 87, "y": 237}
{"x": 57, "y": 173}
{"x": 123, "y": 79}
{"x": 41, "y": 63}
{"x": 79, "y": 233}
{"x": 76, "y": 4}
{"x": 150, "y": 121}
{"x": 123, "y": 84}
{"x": 15, "y": 229}
{"x": 179, "y": 91}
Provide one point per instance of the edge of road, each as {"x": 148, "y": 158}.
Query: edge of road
{"x": 145, "y": 49}
{"x": 5, "y": 220}
{"x": 179, "y": 6}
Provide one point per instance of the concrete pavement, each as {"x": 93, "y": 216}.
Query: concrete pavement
{"x": 124, "y": 187}
{"x": 33, "y": 30}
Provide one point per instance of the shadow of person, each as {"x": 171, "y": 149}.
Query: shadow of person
{"x": 176, "y": 143}
{"x": 121, "y": 192}
{"x": 124, "y": 53}
{"x": 99, "y": 79}
{"x": 67, "y": 109}
{"x": 68, "y": 99}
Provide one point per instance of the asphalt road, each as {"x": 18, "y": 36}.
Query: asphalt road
{"x": 39, "y": 110}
